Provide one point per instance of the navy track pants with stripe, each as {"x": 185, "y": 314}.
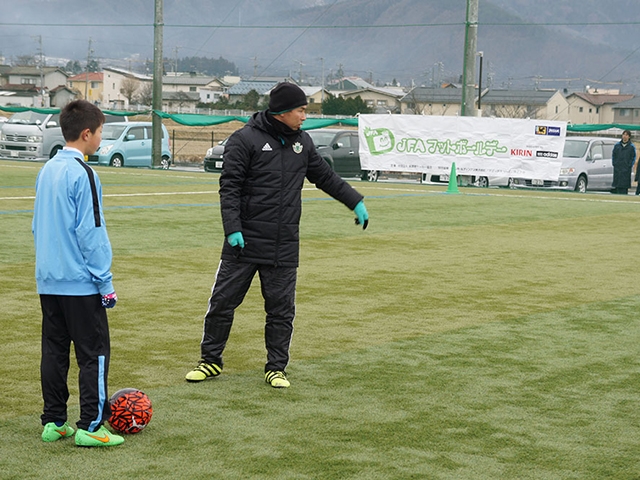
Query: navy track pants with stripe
{"x": 83, "y": 321}
{"x": 278, "y": 287}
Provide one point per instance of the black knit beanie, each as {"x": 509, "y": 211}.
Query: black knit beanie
{"x": 285, "y": 97}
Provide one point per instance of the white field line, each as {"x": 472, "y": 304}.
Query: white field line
{"x": 148, "y": 194}
{"x": 573, "y": 198}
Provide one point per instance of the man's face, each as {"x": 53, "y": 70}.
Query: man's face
{"x": 625, "y": 137}
{"x": 294, "y": 118}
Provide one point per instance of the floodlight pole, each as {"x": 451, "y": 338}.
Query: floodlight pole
{"x": 156, "y": 103}
{"x": 469, "y": 63}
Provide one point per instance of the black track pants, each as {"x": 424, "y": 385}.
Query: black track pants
{"x": 83, "y": 321}
{"x": 233, "y": 279}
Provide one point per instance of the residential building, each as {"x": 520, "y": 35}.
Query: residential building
{"x": 210, "y": 89}
{"x": 21, "y": 95}
{"x": 121, "y": 87}
{"x": 315, "y": 97}
{"x": 627, "y": 112}
{"x": 431, "y": 101}
{"x": 60, "y": 96}
{"x": 180, "y": 102}
{"x": 47, "y": 77}
{"x": 30, "y": 86}
{"x": 543, "y": 104}
{"x": 380, "y": 100}
{"x": 90, "y": 86}
{"x": 348, "y": 84}
{"x": 593, "y": 106}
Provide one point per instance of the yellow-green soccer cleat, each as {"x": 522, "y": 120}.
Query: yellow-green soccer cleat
{"x": 203, "y": 371}
{"x": 52, "y": 432}
{"x": 277, "y": 379}
{"x": 100, "y": 438}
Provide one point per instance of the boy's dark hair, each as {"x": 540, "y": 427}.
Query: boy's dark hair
{"x": 78, "y": 116}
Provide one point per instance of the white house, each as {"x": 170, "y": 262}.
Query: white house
{"x": 117, "y": 83}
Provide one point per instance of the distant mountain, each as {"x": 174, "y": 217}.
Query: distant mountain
{"x": 575, "y": 42}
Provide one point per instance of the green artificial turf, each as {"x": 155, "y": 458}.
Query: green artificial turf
{"x": 488, "y": 335}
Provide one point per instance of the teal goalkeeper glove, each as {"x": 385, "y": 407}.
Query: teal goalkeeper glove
{"x": 362, "y": 217}
{"x": 236, "y": 239}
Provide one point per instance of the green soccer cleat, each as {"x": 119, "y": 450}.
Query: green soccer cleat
{"x": 203, "y": 371}
{"x": 52, "y": 432}
{"x": 277, "y": 379}
{"x": 100, "y": 438}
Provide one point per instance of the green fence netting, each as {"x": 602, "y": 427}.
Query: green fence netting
{"x": 199, "y": 120}
{"x": 602, "y": 126}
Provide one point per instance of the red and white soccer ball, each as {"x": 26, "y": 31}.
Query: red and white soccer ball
{"x": 130, "y": 410}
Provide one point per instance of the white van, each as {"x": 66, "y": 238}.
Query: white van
{"x": 586, "y": 165}
{"x": 35, "y": 136}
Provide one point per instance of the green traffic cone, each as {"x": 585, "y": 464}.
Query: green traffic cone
{"x": 453, "y": 180}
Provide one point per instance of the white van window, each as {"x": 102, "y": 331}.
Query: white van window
{"x": 575, "y": 148}
{"x": 596, "y": 149}
{"x": 27, "y": 118}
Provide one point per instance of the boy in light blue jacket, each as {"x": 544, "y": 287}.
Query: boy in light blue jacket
{"x": 73, "y": 276}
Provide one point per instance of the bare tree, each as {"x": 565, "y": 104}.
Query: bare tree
{"x": 145, "y": 94}
{"x": 26, "y": 60}
{"x": 514, "y": 111}
{"x": 128, "y": 88}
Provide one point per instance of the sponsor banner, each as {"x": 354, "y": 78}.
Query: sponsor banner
{"x": 478, "y": 146}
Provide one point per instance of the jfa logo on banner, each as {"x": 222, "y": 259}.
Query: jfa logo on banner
{"x": 379, "y": 140}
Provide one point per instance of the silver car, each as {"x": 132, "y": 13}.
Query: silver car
{"x": 586, "y": 165}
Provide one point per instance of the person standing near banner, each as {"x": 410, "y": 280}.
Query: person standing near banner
{"x": 623, "y": 158}
{"x": 265, "y": 165}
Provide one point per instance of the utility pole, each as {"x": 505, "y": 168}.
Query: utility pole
{"x": 322, "y": 92}
{"x": 86, "y": 79}
{"x": 41, "y": 68}
{"x": 300, "y": 65}
{"x": 156, "y": 121}
{"x": 175, "y": 65}
{"x": 469, "y": 64}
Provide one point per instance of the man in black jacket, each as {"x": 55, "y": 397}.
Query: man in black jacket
{"x": 265, "y": 164}
{"x": 622, "y": 159}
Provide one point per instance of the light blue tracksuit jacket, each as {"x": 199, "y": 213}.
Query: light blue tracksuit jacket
{"x": 73, "y": 252}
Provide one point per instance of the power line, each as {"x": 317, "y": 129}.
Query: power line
{"x": 328, "y": 27}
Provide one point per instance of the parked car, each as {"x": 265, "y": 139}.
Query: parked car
{"x": 213, "y": 158}
{"x": 339, "y": 148}
{"x": 129, "y": 144}
{"x": 33, "y": 135}
{"x": 469, "y": 180}
{"x": 586, "y": 165}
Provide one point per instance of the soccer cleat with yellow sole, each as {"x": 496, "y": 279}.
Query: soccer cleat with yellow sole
{"x": 203, "y": 371}
{"x": 277, "y": 379}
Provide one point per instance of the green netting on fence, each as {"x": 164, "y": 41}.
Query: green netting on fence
{"x": 602, "y": 126}
{"x": 198, "y": 120}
